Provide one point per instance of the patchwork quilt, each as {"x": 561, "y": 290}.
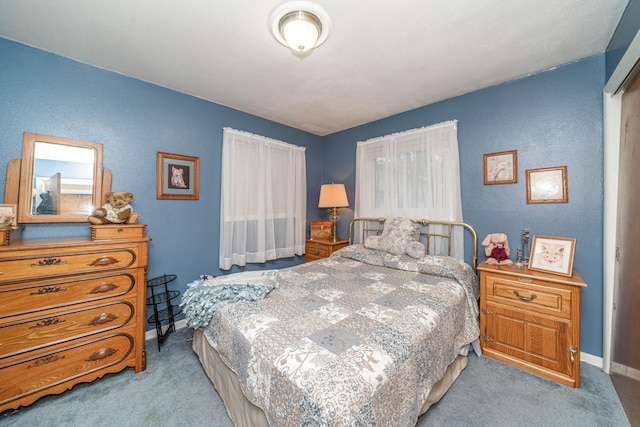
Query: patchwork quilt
{"x": 357, "y": 339}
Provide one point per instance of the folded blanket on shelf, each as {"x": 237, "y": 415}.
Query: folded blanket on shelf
{"x": 207, "y": 294}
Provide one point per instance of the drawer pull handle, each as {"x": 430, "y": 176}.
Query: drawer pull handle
{"x": 48, "y": 261}
{"x": 104, "y": 260}
{"x": 47, "y": 322}
{"x": 102, "y": 319}
{"x": 520, "y": 297}
{"x": 48, "y": 290}
{"x": 101, "y": 354}
{"x": 103, "y": 287}
{"x": 45, "y": 360}
{"x": 524, "y": 279}
{"x": 316, "y": 253}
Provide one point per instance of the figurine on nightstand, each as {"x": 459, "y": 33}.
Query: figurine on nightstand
{"x": 496, "y": 248}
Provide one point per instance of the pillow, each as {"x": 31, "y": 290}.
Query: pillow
{"x": 397, "y": 233}
{"x": 416, "y": 250}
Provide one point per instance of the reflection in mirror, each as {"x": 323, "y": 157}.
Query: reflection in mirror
{"x": 60, "y": 179}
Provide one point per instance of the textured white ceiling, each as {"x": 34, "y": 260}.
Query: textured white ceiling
{"x": 382, "y": 57}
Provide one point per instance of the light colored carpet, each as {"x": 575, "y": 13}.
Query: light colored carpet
{"x": 175, "y": 391}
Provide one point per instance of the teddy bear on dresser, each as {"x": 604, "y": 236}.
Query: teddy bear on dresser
{"x": 497, "y": 249}
{"x": 116, "y": 211}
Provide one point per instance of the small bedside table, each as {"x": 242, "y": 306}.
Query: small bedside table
{"x": 318, "y": 249}
{"x": 531, "y": 320}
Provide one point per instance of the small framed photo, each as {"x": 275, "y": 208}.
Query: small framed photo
{"x": 8, "y": 216}
{"x": 552, "y": 255}
{"x": 547, "y": 185}
{"x": 177, "y": 177}
{"x": 501, "y": 168}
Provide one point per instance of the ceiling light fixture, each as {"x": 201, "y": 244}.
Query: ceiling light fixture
{"x": 300, "y": 25}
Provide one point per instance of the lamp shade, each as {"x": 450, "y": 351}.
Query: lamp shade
{"x": 300, "y": 30}
{"x": 333, "y": 196}
{"x": 300, "y": 25}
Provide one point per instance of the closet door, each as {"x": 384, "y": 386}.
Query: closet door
{"x": 625, "y": 357}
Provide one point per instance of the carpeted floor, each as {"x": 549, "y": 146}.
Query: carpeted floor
{"x": 175, "y": 391}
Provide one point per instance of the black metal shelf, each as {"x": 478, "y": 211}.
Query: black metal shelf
{"x": 161, "y": 280}
{"x": 164, "y": 312}
{"x": 163, "y": 297}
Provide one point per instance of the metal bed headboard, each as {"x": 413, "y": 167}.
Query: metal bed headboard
{"x": 374, "y": 227}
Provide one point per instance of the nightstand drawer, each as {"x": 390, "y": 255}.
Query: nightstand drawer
{"x": 533, "y": 295}
{"x": 317, "y": 250}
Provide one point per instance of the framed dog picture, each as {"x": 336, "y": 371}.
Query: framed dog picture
{"x": 177, "y": 177}
{"x": 501, "y": 168}
{"x": 552, "y": 255}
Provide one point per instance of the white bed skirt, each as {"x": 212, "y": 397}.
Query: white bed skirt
{"x": 245, "y": 414}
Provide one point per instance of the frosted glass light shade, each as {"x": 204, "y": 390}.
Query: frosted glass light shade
{"x": 300, "y": 25}
{"x": 333, "y": 196}
{"x": 300, "y": 30}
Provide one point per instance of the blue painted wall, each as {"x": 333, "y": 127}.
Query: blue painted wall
{"x": 625, "y": 32}
{"x": 553, "y": 119}
{"x": 48, "y": 94}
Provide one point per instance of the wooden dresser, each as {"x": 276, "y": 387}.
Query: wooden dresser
{"x": 318, "y": 249}
{"x": 531, "y": 320}
{"x": 71, "y": 310}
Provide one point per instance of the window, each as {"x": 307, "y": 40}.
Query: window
{"x": 414, "y": 174}
{"x": 263, "y": 199}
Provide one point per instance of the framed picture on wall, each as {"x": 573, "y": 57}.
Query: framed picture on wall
{"x": 547, "y": 185}
{"x": 501, "y": 168}
{"x": 8, "y": 215}
{"x": 177, "y": 177}
{"x": 552, "y": 255}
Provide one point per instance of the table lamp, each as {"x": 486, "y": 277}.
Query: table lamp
{"x": 333, "y": 196}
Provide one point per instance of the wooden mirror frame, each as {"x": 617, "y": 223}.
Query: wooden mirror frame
{"x": 25, "y": 198}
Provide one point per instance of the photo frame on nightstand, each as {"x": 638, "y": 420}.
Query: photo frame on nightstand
{"x": 552, "y": 255}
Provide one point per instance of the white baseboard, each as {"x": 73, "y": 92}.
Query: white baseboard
{"x": 151, "y": 334}
{"x": 590, "y": 359}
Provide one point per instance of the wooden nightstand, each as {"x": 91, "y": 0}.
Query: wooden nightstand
{"x": 531, "y": 320}
{"x": 318, "y": 249}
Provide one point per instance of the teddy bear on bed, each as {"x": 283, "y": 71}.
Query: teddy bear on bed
{"x": 116, "y": 211}
{"x": 496, "y": 248}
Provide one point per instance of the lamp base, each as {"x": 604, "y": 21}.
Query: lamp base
{"x": 334, "y": 218}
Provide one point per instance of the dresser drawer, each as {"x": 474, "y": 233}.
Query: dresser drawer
{"x": 44, "y": 294}
{"x": 317, "y": 250}
{"x": 529, "y": 294}
{"x": 57, "y": 326}
{"x": 43, "y": 263}
{"x": 34, "y": 374}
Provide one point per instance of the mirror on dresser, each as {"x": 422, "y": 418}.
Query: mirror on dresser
{"x": 57, "y": 179}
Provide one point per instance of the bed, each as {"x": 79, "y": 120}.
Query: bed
{"x": 373, "y": 335}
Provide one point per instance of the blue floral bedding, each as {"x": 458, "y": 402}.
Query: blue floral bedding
{"x": 357, "y": 339}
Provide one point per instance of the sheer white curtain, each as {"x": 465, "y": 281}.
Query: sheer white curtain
{"x": 414, "y": 174}
{"x": 263, "y": 199}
